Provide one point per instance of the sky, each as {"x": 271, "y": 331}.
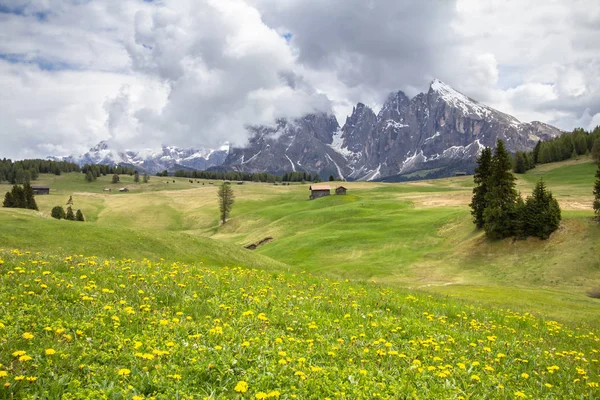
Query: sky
{"x": 194, "y": 73}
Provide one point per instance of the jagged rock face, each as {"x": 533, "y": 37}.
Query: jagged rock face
{"x": 429, "y": 131}
{"x": 302, "y": 144}
{"x": 168, "y": 158}
{"x": 433, "y": 129}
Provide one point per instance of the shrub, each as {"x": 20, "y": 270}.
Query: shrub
{"x": 58, "y": 212}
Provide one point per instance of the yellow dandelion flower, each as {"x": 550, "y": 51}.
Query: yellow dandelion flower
{"x": 3, "y": 374}
{"x": 260, "y": 395}
{"x": 241, "y": 387}
{"x": 19, "y": 378}
{"x": 123, "y": 372}
{"x": 31, "y": 378}
{"x": 50, "y": 352}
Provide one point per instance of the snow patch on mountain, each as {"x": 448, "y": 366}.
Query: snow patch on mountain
{"x": 459, "y": 100}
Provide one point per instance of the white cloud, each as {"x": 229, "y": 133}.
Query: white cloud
{"x": 194, "y": 72}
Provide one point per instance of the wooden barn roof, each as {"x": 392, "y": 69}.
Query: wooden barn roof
{"x": 320, "y": 186}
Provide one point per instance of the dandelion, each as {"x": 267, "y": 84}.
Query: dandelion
{"x": 50, "y": 352}
{"x": 31, "y": 378}
{"x": 525, "y": 375}
{"x": 123, "y": 372}
{"x": 241, "y": 387}
{"x": 25, "y": 358}
{"x": 19, "y": 378}
{"x": 261, "y": 395}
{"x": 3, "y": 374}
{"x": 520, "y": 395}
{"x": 28, "y": 335}
{"x": 475, "y": 378}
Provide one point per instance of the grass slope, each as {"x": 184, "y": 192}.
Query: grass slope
{"x": 83, "y": 327}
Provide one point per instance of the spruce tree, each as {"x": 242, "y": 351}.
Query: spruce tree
{"x": 29, "y": 197}
{"x": 79, "y": 216}
{"x": 536, "y": 151}
{"x": 481, "y": 177}
{"x": 501, "y": 198}
{"x": 541, "y": 215}
{"x": 146, "y": 178}
{"x": 58, "y": 212}
{"x": 18, "y": 196}
{"x": 596, "y": 151}
{"x": 136, "y": 177}
{"x": 9, "y": 202}
{"x": 226, "y": 199}
{"x": 597, "y": 193}
{"x": 520, "y": 167}
{"x": 70, "y": 215}
{"x": 331, "y": 178}
{"x": 115, "y": 178}
{"x": 89, "y": 176}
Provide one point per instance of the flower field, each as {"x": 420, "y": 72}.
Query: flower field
{"x": 81, "y": 327}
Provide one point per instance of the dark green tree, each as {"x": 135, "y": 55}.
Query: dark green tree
{"x": 58, "y": 212}
{"x": 597, "y": 193}
{"x": 70, "y": 215}
{"x": 317, "y": 178}
{"x": 18, "y": 195}
{"x": 481, "y": 177}
{"x": 536, "y": 151}
{"x": 136, "y": 177}
{"x": 79, "y": 216}
{"x": 9, "y": 202}
{"x": 115, "y": 178}
{"x": 331, "y": 178}
{"x": 89, "y": 176}
{"x": 541, "y": 215}
{"x": 226, "y": 199}
{"x": 596, "y": 151}
{"x": 146, "y": 178}
{"x": 520, "y": 163}
{"x": 29, "y": 197}
{"x": 501, "y": 198}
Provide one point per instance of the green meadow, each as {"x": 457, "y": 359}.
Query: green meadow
{"x": 414, "y": 235}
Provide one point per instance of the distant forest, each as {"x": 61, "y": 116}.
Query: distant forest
{"x": 19, "y": 172}
{"x": 568, "y": 145}
{"x": 246, "y": 176}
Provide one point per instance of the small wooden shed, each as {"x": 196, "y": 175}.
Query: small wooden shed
{"x": 40, "y": 189}
{"x": 340, "y": 190}
{"x": 460, "y": 174}
{"x": 319, "y": 190}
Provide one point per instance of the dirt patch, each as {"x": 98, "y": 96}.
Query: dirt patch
{"x": 254, "y": 246}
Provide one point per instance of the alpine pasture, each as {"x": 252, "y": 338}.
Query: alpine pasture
{"x": 388, "y": 292}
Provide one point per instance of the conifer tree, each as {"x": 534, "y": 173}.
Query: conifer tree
{"x": 115, "y": 178}
{"x": 597, "y": 193}
{"x": 520, "y": 167}
{"x": 482, "y": 174}
{"x": 501, "y": 198}
{"x": 79, "y": 216}
{"x": 89, "y": 176}
{"x": 70, "y": 215}
{"x": 136, "y": 177}
{"x": 317, "y": 178}
{"x": 226, "y": 199}
{"x": 331, "y": 178}
{"x": 58, "y": 212}
{"x": 29, "y": 197}
{"x": 541, "y": 215}
{"x": 18, "y": 196}
{"x": 536, "y": 151}
{"x": 9, "y": 202}
{"x": 70, "y": 201}
{"x": 146, "y": 178}
{"x": 596, "y": 151}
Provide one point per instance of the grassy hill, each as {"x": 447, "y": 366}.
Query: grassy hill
{"x": 86, "y": 327}
{"x": 416, "y": 235}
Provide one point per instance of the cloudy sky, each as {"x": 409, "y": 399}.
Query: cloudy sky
{"x": 195, "y": 72}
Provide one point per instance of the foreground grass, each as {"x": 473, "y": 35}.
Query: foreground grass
{"x": 83, "y": 327}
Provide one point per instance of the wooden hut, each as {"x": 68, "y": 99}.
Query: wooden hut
{"x": 340, "y": 190}
{"x": 460, "y": 174}
{"x": 319, "y": 190}
{"x": 40, "y": 189}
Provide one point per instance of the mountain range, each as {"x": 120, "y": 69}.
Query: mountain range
{"x": 167, "y": 158}
{"x": 435, "y": 133}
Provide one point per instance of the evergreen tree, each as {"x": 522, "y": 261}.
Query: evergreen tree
{"x": 596, "y": 151}
{"x": 331, "y": 178}
{"x": 79, "y": 216}
{"x": 70, "y": 215}
{"x": 115, "y": 178}
{"x": 18, "y": 196}
{"x": 317, "y": 178}
{"x": 481, "y": 177}
{"x": 597, "y": 193}
{"x": 541, "y": 215}
{"x": 9, "y": 202}
{"x": 536, "y": 152}
{"x": 136, "y": 177}
{"x": 146, "y": 178}
{"x": 89, "y": 176}
{"x": 29, "y": 197}
{"x": 226, "y": 199}
{"x": 58, "y": 212}
{"x": 70, "y": 201}
{"x": 501, "y": 198}
{"x": 520, "y": 166}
